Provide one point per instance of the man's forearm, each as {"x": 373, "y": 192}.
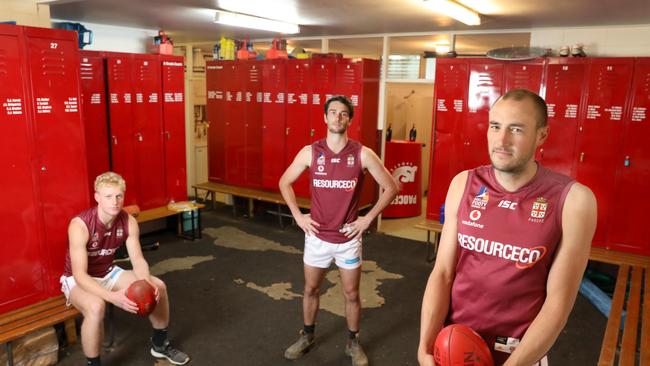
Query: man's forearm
{"x": 385, "y": 198}
{"x": 289, "y": 197}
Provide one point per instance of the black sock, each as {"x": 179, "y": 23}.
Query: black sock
{"x": 309, "y": 329}
{"x": 352, "y": 334}
{"x": 159, "y": 337}
{"x": 93, "y": 361}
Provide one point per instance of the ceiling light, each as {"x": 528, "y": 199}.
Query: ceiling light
{"x": 249, "y": 21}
{"x": 454, "y": 10}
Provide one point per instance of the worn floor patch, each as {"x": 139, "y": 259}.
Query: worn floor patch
{"x": 178, "y": 264}
{"x": 332, "y": 300}
{"x": 277, "y": 291}
{"x": 231, "y": 237}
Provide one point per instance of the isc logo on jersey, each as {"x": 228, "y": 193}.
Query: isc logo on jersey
{"x": 481, "y": 199}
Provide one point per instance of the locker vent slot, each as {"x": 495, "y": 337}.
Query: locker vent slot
{"x": 86, "y": 70}
{"x": 52, "y": 63}
{"x": 3, "y": 62}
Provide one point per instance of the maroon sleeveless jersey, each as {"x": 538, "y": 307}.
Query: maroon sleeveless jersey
{"x": 506, "y": 245}
{"x": 102, "y": 242}
{"x": 336, "y": 181}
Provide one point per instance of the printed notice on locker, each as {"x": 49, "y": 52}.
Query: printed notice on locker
{"x": 550, "y": 109}
{"x": 571, "y": 111}
{"x": 441, "y": 107}
{"x": 638, "y": 114}
{"x": 592, "y": 111}
{"x": 43, "y": 105}
{"x": 153, "y": 98}
{"x": 96, "y": 98}
{"x": 71, "y": 105}
{"x": 13, "y": 106}
{"x": 458, "y": 105}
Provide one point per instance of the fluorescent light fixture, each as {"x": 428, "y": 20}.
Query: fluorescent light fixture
{"x": 454, "y": 10}
{"x": 249, "y": 21}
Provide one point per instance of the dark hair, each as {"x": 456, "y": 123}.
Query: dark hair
{"x": 341, "y": 99}
{"x": 538, "y": 103}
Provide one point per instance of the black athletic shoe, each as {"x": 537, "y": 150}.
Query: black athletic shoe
{"x": 170, "y": 353}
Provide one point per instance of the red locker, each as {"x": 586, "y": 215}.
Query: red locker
{"x": 273, "y": 122}
{"x": 525, "y": 74}
{"x": 358, "y": 79}
{"x": 215, "y": 78}
{"x": 23, "y": 266}
{"x": 148, "y": 132}
{"x": 173, "y": 113}
{"x": 452, "y": 78}
{"x": 323, "y": 88}
{"x": 599, "y": 137}
{"x": 252, "y": 76}
{"x": 53, "y": 67}
{"x": 122, "y": 130}
{"x": 632, "y": 197}
{"x": 485, "y": 87}
{"x": 93, "y": 102}
{"x": 565, "y": 81}
{"x": 298, "y": 128}
{"x": 235, "y": 136}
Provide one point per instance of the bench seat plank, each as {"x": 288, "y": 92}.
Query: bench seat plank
{"x": 628, "y": 344}
{"x": 608, "y": 349}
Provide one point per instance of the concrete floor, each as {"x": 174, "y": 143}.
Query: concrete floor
{"x": 236, "y": 300}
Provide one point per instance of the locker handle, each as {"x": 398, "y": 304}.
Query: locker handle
{"x": 541, "y": 153}
{"x": 114, "y": 140}
{"x": 168, "y": 135}
{"x": 582, "y": 157}
{"x": 286, "y": 131}
{"x": 626, "y": 163}
{"x": 311, "y": 133}
{"x": 139, "y": 136}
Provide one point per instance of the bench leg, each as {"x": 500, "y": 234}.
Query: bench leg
{"x": 70, "y": 331}
{"x": 10, "y": 355}
{"x": 430, "y": 256}
{"x": 110, "y": 324}
{"x": 280, "y": 216}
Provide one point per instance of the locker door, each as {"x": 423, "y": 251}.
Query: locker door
{"x": 627, "y": 219}
{"x": 358, "y": 79}
{"x": 324, "y": 82}
{"x": 565, "y": 81}
{"x": 215, "y": 110}
{"x": 525, "y": 75}
{"x": 173, "y": 112}
{"x": 93, "y": 101}
{"x": 121, "y": 126}
{"x": 53, "y": 63}
{"x": 599, "y": 138}
{"x": 450, "y": 104}
{"x": 485, "y": 87}
{"x": 299, "y": 87}
{"x": 21, "y": 261}
{"x": 273, "y": 117}
{"x": 253, "y": 122}
{"x": 148, "y": 134}
{"x": 235, "y": 135}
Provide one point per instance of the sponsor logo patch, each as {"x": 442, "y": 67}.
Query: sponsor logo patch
{"x": 538, "y": 211}
{"x": 481, "y": 199}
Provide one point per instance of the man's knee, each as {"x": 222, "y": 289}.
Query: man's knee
{"x": 311, "y": 291}
{"x": 162, "y": 287}
{"x": 94, "y": 310}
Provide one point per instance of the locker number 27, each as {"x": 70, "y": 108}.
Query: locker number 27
{"x": 54, "y": 45}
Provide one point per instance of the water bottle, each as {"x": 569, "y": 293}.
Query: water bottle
{"x": 442, "y": 214}
{"x": 389, "y": 132}
{"x": 413, "y": 133}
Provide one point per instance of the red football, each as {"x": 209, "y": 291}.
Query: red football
{"x": 144, "y": 295}
{"x": 458, "y": 344}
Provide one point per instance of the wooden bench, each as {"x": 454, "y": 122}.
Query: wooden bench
{"x": 631, "y": 295}
{"x": 251, "y": 194}
{"x": 174, "y": 209}
{"x": 20, "y": 322}
{"x": 436, "y": 228}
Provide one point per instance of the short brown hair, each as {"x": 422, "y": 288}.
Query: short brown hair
{"x": 538, "y": 103}
{"x": 110, "y": 179}
{"x": 341, "y": 99}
